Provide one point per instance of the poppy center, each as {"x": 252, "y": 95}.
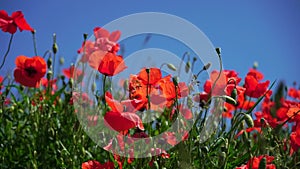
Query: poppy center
{"x": 31, "y": 71}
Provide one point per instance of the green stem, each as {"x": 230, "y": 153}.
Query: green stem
{"x": 34, "y": 43}
{"x": 8, "y": 49}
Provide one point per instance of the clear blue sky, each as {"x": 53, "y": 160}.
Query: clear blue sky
{"x": 252, "y": 30}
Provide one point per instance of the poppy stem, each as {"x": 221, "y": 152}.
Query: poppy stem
{"x": 186, "y": 53}
{"x": 221, "y": 69}
{"x": 8, "y": 49}
{"x": 34, "y": 43}
{"x": 148, "y": 97}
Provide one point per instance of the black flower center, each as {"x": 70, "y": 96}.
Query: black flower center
{"x": 30, "y": 71}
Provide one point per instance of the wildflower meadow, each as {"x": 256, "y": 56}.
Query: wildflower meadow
{"x": 107, "y": 111}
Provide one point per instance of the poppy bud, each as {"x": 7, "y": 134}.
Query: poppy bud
{"x": 171, "y": 67}
{"x": 234, "y": 94}
{"x": 206, "y": 66}
{"x": 61, "y": 60}
{"x": 49, "y": 63}
{"x": 71, "y": 82}
{"x": 175, "y": 80}
{"x": 229, "y": 100}
{"x": 255, "y": 65}
{"x": 190, "y": 102}
{"x": 262, "y": 163}
{"x": 148, "y": 70}
{"x": 85, "y": 35}
{"x": 249, "y": 120}
{"x": 187, "y": 66}
{"x": 49, "y": 75}
{"x": 218, "y": 50}
{"x": 94, "y": 87}
{"x": 54, "y": 48}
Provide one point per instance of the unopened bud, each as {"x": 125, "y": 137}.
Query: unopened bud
{"x": 49, "y": 75}
{"x": 218, "y": 50}
{"x": 207, "y": 66}
{"x": 94, "y": 87}
{"x": 249, "y": 120}
{"x": 255, "y": 65}
{"x": 234, "y": 94}
{"x": 187, "y": 66}
{"x": 54, "y": 48}
{"x": 61, "y": 60}
{"x": 230, "y": 100}
{"x": 49, "y": 63}
{"x": 171, "y": 67}
{"x": 85, "y": 35}
{"x": 148, "y": 70}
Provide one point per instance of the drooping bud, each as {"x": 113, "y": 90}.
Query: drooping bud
{"x": 207, "y": 66}
{"x": 218, "y": 50}
{"x": 171, "y": 67}
{"x": 230, "y": 100}
{"x": 249, "y": 120}
{"x": 187, "y": 66}
{"x": 234, "y": 94}
{"x": 85, "y": 35}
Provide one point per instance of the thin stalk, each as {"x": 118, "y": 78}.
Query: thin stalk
{"x": 34, "y": 43}
{"x": 7, "y": 51}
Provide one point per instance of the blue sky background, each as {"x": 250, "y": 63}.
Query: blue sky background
{"x": 252, "y": 30}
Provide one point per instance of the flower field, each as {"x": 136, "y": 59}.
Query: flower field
{"x": 85, "y": 117}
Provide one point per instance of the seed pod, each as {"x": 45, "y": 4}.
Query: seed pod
{"x": 249, "y": 120}
{"x": 49, "y": 63}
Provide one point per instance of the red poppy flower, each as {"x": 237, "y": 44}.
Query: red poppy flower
{"x": 111, "y": 64}
{"x": 254, "y": 162}
{"x": 253, "y": 87}
{"x": 29, "y": 71}
{"x": 72, "y": 72}
{"x": 153, "y": 73}
{"x": 93, "y": 164}
{"x": 11, "y": 23}
{"x": 106, "y": 41}
{"x": 119, "y": 120}
{"x": 170, "y": 138}
{"x": 87, "y": 49}
{"x": 294, "y": 93}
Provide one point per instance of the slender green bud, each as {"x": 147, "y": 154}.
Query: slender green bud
{"x": 234, "y": 94}
{"x": 207, "y": 66}
{"x": 187, "y": 66}
{"x": 171, "y": 67}
{"x": 175, "y": 80}
{"x": 249, "y": 120}
{"x": 218, "y": 50}
{"x": 61, "y": 60}
{"x": 229, "y": 99}
{"x": 85, "y": 35}
{"x": 49, "y": 63}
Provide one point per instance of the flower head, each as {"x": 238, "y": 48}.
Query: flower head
{"x": 11, "y": 23}
{"x": 29, "y": 71}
